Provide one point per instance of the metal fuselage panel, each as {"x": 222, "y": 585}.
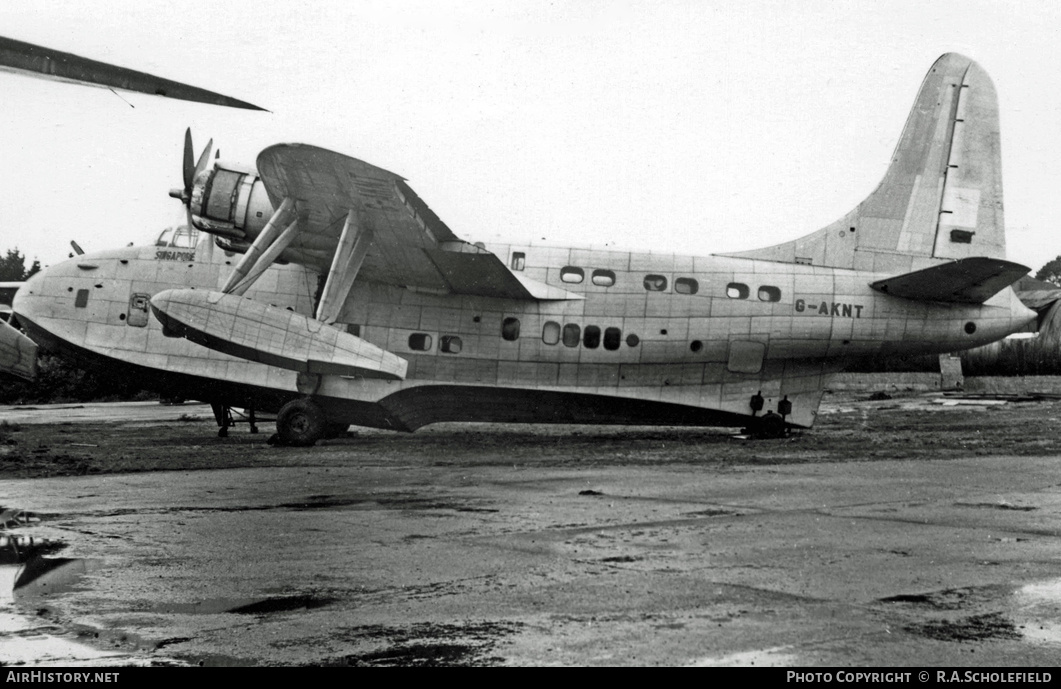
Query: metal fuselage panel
{"x": 694, "y": 333}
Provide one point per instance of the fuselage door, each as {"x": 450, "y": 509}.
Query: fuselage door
{"x": 138, "y": 307}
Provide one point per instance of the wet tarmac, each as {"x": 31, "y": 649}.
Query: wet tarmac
{"x": 440, "y": 548}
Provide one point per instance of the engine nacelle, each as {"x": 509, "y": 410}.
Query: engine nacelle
{"x": 230, "y": 201}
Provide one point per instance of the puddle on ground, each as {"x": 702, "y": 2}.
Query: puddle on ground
{"x": 1039, "y": 611}
{"x": 418, "y": 655}
{"x": 767, "y": 657}
{"x": 42, "y": 577}
{"x": 12, "y": 518}
{"x": 29, "y": 576}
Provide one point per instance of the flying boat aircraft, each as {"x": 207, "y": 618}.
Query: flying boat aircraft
{"x": 323, "y": 288}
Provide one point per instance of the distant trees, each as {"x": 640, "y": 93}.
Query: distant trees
{"x": 1051, "y": 272}
{"x": 13, "y": 267}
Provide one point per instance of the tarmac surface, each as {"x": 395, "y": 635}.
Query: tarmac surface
{"x": 923, "y": 530}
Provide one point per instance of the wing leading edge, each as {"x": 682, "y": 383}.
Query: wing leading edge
{"x": 39, "y": 61}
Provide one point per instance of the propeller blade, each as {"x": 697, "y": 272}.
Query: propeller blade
{"x": 204, "y": 160}
{"x": 189, "y": 162}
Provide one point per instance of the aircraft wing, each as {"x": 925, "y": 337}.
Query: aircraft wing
{"x": 35, "y": 60}
{"x": 410, "y": 246}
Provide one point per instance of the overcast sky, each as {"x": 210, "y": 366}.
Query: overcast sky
{"x": 684, "y": 125}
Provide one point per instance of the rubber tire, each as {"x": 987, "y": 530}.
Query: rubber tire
{"x": 301, "y": 423}
{"x": 769, "y": 425}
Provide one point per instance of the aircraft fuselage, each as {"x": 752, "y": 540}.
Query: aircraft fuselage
{"x": 655, "y": 339}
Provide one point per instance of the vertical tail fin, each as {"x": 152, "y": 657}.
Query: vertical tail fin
{"x": 941, "y": 198}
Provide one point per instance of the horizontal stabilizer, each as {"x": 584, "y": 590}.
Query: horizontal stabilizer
{"x": 966, "y": 281}
{"x": 251, "y": 330}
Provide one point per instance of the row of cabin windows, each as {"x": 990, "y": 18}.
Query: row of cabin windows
{"x": 653, "y": 282}
{"x": 734, "y": 290}
{"x": 599, "y": 277}
{"x": 422, "y": 342}
{"x": 571, "y": 334}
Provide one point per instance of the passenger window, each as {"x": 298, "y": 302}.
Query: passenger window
{"x": 81, "y": 300}
{"x": 572, "y": 275}
{"x": 451, "y": 344}
{"x": 510, "y": 329}
{"x": 551, "y": 333}
{"x": 737, "y": 290}
{"x": 603, "y": 278}
{"x": 591, "y": 337}
{"x": 138, "y": 304}
{"x": 572, "y": 335}
{"x": 420, "y": 342}
{"x": 613, "y": 337}
{"x": 519, "y": 260}
{"x": 655, "y": 283}
{"x": 768, "y": 293}
{"x": 686, "y": 286}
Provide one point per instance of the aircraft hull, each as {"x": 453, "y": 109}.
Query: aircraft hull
{"x": 701, "y": 364}
{"x": 410, "y": 408}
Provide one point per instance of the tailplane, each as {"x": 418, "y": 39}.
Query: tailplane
{"x": 941, "y": 198}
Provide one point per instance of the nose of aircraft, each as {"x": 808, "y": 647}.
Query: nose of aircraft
{"x": 26, "y": 304}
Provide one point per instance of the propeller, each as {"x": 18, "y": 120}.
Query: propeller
{"x": 191, "y": 171}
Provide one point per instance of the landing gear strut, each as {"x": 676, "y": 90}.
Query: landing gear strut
{"x": 223, "y": 416}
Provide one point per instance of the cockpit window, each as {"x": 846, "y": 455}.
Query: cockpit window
{"x": 182, "y": 237}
